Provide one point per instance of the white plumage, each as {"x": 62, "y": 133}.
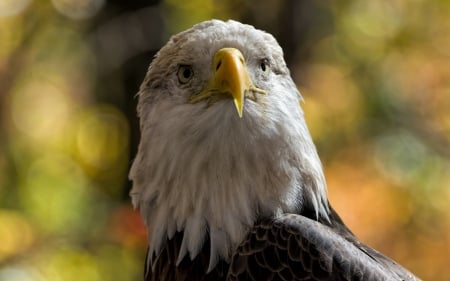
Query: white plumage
{"x": 202, "y": 168}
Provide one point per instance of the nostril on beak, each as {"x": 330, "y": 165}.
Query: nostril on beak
{"x": 218, "y": 65}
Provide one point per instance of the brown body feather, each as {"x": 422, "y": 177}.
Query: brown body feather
{"x": 287, "y": 248}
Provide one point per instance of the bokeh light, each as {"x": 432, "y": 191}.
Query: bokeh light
{"x": 102, "y": 137}
{"x": 13, "y": 7}
{"x": 375, "y": 76}
{"x": 16, "y": 233}
{"x": 40, "y": 107}
{"x": 78, "y": 9}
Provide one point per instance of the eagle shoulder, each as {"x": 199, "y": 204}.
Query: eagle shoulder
{"x": 294, "y": 247}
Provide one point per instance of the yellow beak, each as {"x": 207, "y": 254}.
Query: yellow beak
{"x": 230, "y": 78}
{"x": 231, "y": 75}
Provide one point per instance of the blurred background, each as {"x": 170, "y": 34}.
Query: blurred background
{"x": 376, "y": 80}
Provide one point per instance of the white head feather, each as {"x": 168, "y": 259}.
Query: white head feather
{"x": 202, "y": 169}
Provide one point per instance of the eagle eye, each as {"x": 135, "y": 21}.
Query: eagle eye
{"x": 185, "y": 73}
{"x": 264, "y": 65}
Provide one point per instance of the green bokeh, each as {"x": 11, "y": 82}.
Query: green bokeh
{"x": 375, "y": 77}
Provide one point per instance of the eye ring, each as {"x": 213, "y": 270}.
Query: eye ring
{"x": 264, "y": 65}
{"x": 185, "y": 73}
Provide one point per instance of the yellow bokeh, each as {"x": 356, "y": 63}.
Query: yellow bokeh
{"x": 375, "y": 77}
{"x": 11, "y": 36}
{"x": 330, "y": 95}
{"x": 13, "y": 7}
{"x": 102, "y": 136}
{"x": 78, "y": 9}
{"x": 40, "y": 105}
{"x": 16, "y": 233}
{"x": 198, "y": 10}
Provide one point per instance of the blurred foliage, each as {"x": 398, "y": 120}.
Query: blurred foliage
{"x": 376, "y": 80}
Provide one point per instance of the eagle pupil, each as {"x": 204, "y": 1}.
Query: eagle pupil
{"x": 264, "y": 65}
{"x": 187, "y": 73}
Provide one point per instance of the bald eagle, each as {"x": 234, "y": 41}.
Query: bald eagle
{"x": 227, "y": 177}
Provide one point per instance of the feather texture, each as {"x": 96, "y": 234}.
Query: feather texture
{"x": 196, "y": 161}
{"x": 286, "y": 248}
{"x": 230, "y": 198}
{"x": 294, "y": 247}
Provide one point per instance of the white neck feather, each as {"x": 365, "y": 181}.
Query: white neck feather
{"x": 219, "y": 173}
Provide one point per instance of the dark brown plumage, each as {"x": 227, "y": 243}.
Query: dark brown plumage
{"x": 288, "y": 248}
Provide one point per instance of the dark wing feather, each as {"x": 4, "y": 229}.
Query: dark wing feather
{"x": 294, "y": 247}
{"x": 165, "y": 269}
{"x": 291, "y": 247}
